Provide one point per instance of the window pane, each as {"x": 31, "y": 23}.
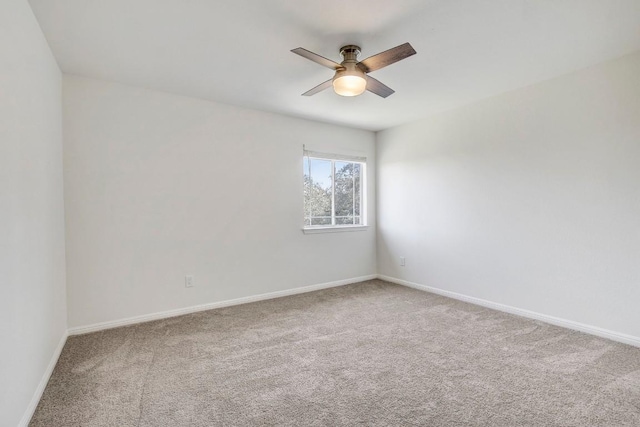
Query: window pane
{"x": 344, "y": 189}
{"x": 344, "y": 220}
{"x": 321, "y": 220}
{"x": 317, "y": 191}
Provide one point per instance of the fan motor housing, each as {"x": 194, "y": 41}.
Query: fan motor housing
{"x": 350, "y": 53}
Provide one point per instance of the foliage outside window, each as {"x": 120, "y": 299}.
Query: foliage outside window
{"x": 333, "y": 191}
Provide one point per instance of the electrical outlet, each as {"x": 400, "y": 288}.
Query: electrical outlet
{"x": 402, "y": 261}
{"x": 188, "y": 281}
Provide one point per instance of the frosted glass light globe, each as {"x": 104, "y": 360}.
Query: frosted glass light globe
{"x": 349, "y": 85}
{"x": 350, "y": 80}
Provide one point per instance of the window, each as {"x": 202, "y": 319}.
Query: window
{"x": 333, "y": 191}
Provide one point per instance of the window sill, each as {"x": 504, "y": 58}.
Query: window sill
{"x": 334, "y": 229}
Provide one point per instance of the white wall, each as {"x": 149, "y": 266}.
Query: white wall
{"x": 32, "y": 271}
{"x": 529, "y": 199}
{"x": 158, "y": 186}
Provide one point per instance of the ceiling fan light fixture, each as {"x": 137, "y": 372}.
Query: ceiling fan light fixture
{"x": 351, "y": 76}
{"x": 349, "y": 85}
{"x": 350, "y": 81}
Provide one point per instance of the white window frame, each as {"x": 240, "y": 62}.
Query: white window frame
{"x": 333, "y": 227}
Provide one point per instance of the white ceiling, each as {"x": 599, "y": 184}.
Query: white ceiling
{"x": 237, "y": 51}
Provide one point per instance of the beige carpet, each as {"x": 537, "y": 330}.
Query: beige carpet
{"x": 372, "y": 353}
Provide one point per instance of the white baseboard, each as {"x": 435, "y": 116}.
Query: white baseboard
{"x": 569, "y": 324}
{"x": 79, "y": 330}
{"x": 31, "y": 409}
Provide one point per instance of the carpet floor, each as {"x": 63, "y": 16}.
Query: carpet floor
{"x": 371, "y": 353}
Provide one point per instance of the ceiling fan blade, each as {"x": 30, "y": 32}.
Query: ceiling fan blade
{"x": 387, "y": 57}
{"x": 316, "y": 58}
{"x": 322, "y": 86}
{"x": 378, "y": 87}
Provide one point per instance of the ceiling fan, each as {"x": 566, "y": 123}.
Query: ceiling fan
{"x": 351, "y": 77}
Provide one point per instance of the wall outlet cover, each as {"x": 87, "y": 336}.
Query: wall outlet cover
{"x": 188, "y": 281}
